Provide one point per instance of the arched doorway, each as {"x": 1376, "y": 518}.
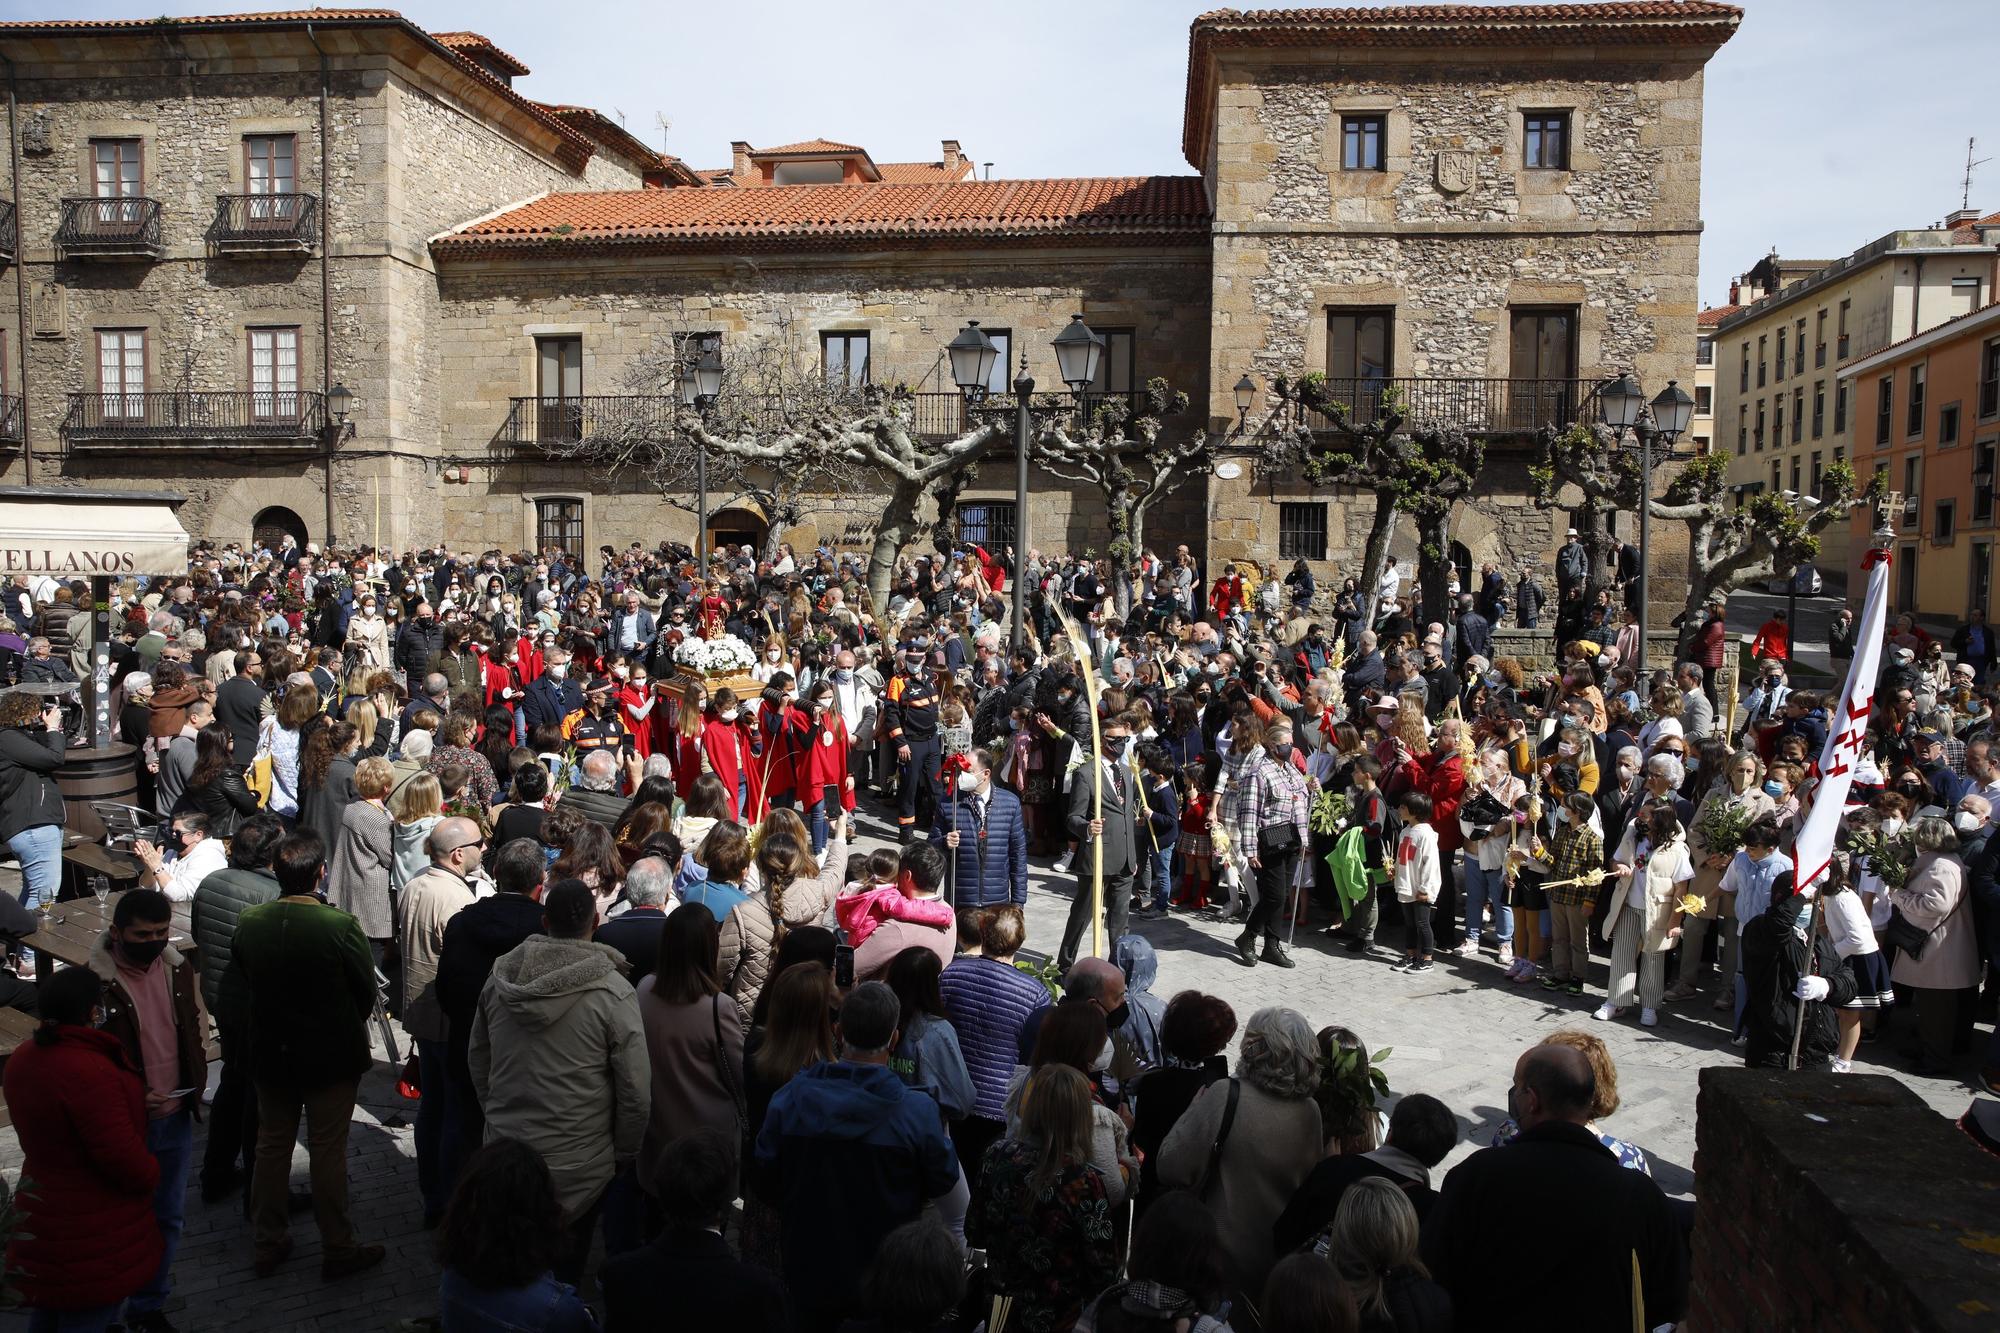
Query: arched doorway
{"x": 1461, "y": 560}
{"x": 736, "y": 525}
{"x": 272, "y": 525}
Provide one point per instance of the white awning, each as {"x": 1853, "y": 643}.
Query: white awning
{"x": 75, "y": 538}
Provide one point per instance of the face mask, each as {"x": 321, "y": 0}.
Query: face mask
{"x": 1967, "y": 822}
{"x": 1892, "y": 826}
{"x": 1281, "y": 752}
{"x": 1774, "y": 790}
{"x": 142, "y": 953}
{"x": 558, "y": 669}
{"x": 1114, "y": 746}
{"x": 728, "y": 715}
{"x": 621, "y": 673}
{"x": 843, "y": 674}
{"x": 1116, "y": 1019}
{"x": 1565, "y": 749}
{"x": 968, "y": 783}
{"x": 791, "y": 696}
{"x": 772, "y": 656}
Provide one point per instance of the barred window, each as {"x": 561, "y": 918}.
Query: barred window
{"x": 988, "y": 524}
{"x": 1302, "y": 531}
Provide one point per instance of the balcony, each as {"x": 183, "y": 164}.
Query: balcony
{"x": 109, "y": 229}
{"x": 1482, "y": 406}
{"x": 264, "y": 224}
{"x": 224, "y": 421}
{"x": 10, "y": 419}
{"x": 10, "y": 237}
{"x": 543, "y": 423}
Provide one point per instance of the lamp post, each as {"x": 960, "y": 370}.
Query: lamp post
{"x": 1792, "y": 583}
{"x": 1246, "y": 394}
{"x": 973, "y": 359}
{"x": 1624, "y": 404}
{"x": 698, "y": 383}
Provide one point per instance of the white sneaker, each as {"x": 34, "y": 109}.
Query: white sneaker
{"x": 1506, "y": 957}
{"x": 1606, "y": 1012}
{"x": 1062, "y": 863}
{"x": 1740, "y": 1039}
{"x": 1649, "y": 1018}
{"x": 1840, "y": 1066}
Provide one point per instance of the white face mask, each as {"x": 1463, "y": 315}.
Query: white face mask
{"x": 1103, "y": 1060}
{"x": 558, "y": 669}
{"x": 620, "y": 672}
{"x": 1967, "y": 822}
{"x": 968, "y": 783}
{"x": 1892, "y": 826}
{"x": 728, "y": 715}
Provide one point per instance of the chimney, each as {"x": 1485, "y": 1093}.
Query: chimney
{"x": 1960, "y": 218}
{"x": 953, "y": 158}
{"x": 1735, "y": 292}
{"x": 740, "y": 161}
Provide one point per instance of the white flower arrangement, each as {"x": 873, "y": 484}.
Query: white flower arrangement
{"x": 721, "y": 656}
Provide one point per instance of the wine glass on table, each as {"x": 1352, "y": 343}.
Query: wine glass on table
{"x": 100, "y": 887}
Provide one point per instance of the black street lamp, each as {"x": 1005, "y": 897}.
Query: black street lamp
{"x": 697, "y": 384}
{"x": 1624, "y": 409}
{"x": 1246, "y": 394}
{"x": 973, "y": 360}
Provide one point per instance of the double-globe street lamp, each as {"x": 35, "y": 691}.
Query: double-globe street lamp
{"x": 1624, "y": 402}
{"x": 973, "y": 359}
{"x": 696, "y": 384}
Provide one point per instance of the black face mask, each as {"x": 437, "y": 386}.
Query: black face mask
{"x": 1116, "y": 1018}
{"x": 141, "y": 953}
{"x": 1281, "y": 753}
{"x": 1114, "y": 746}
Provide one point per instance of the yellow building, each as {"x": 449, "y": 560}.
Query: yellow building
{"x": 1779, "y": 405}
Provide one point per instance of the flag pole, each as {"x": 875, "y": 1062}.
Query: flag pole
{"x": 1087, "y": 668}
{"x": 1812, "y": 849}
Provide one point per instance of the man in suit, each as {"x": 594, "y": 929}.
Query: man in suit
{"x": 1111, "y": 835}
{"x": 552, "y": 696}
{"x": 239, "y": 705}
{"x": 632, "y": 625}
{"x": 980, "y": 825}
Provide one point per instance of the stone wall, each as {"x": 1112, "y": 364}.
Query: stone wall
{"x": 1838, "y": 1203}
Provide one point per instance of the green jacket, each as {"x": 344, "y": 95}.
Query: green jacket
{"x": 1349, "y": 863}
{"x": 312, "y": 991}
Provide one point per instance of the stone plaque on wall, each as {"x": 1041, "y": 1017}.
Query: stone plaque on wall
{"x": 1456, "y": 170}
{"x": 37, "y": 136}
{"x": 48, "y": 310}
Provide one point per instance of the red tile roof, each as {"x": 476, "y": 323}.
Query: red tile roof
{"x": 1931, "y": 336}
{"x": 1714, "y": 315}
{"x": 913, "y": 173}
{"x": 468, "y": 42}
{"x": 1109, "y": 210}
{"x": 808, "y": 146}
{"x": 1662, "y": 22}
{"x": 573, "y": 148}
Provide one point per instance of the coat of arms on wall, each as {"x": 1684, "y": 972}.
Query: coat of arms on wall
{"x": 1456, "y": 170}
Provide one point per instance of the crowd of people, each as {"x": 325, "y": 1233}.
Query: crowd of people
{"x": 586, "y": 830}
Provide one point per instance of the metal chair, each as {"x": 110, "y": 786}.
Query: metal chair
{"x": 123, "y": 824}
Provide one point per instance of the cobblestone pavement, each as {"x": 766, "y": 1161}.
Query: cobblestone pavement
{"x": 1455, "y": 1034}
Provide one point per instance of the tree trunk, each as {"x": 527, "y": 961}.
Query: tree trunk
{"x": 890, "y": 535}
{"x": 1434, "y": 566}
{"x": 1127, "y": 522}
{"x": 1375, "y": 555}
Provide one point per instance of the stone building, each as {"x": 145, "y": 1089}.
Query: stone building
{"x": 1782, "y": 404}
{"x": 1491, "y": 209}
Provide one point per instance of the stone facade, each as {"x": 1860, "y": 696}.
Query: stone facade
{"x": 1451, "y": 236}
{"x": 909, "y": 304}
{"x": 413, "y": 145}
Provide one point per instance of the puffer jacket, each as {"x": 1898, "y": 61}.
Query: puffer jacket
{"x": 987, "y": 1001}
{"x": 29, "y": 797}
{"x": 558, "y": 1059}
{"x": 992, "y": 863}
{"x": 87, "y": 1236}
{"x": 748, "y": 939}
{"x": 218, "y": 901}
{"x": 1136, "y": 959}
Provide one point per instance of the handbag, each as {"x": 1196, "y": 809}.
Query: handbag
{"x": 1904, "y": 934}
{"x": 261, "y": 776}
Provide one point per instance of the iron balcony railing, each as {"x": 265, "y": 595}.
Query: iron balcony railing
{"x": 219, "y": 420}
{"x": 1489, "y": 406}
{"x": 127, "y": 228}
{"x": 249, "y": 223}
{"x": 558, "y": 422}
{"x": 10, "y": 418}
{"x": 10, "y": 232}
{"x": 545, "y": 422}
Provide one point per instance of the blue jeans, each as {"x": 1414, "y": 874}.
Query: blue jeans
{"x": 1160, "y": 874}
{"x": 94, "y": 1320}
{"x": 40, "y": 850}
{"x": 1482, "y": 887}
{"x": 171, "y": 1141}
{"x": 437, "y": 1126}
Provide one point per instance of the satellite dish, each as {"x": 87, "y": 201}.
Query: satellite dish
{"x": 1229, "y": 471}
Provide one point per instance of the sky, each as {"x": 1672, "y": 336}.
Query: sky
{"x": 1828, "y": 122}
